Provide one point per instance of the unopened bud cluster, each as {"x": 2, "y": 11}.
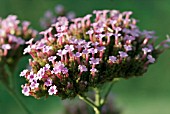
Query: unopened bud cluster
{"x": 51, "y": 17}
{"x": 13, "y": 35}
{"x": 78, "y": 54}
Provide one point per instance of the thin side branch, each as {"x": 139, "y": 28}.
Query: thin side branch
{"x": 88, "y": 101}
{"x": 108, "y": 91}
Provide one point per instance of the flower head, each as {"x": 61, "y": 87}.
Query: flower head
{"x": 12, "y": 37}
{"x": 89, "y": 52}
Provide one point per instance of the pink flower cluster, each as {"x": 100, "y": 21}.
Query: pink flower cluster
{"x": 75, "y": 55}
{"x": 13, "y": 34}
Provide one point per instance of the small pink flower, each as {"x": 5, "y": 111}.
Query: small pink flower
{"x": 64, "y": 52}
{"x": 101, "y": 48}
{"x": 123, "y": 54}
{"x": 6, "y": 47}
{"x": 78, "y": 54}
{"x": 25, "y": 24}
{"x": 24, "y": 72}
{"x": 34, "y": 85}
{"x": 87, "y": 45}
{"x": 46, "y": 67}
{"x": 40, "y": 45}
{"x": 30, "y": 41}
{"x": 146, "y": 50}
{"x": 52, "y": 90}
{"x": 25, "y": 90}
{"x": 31, "y": 77}
{"x": 82, "y": 68}
{"x": 94, "y": 61}
{"x": 27, "y": 50}
{"x": 112, "y": 59}
{"x": 46, "y": 49}
{"x": 95, "y": 44}
{"x": 59, "y": 53}
{"x": 58, "y": 67}
{"x": 92, "y": 50}
{"x": 64, "y": 70}
{"x": 99, "y": 31}
{"x": 93, "y": 70}
{"x": 52, "y": 58}
{"x": 90, "y": 32}
{"x": 128, "y": 47}
{"x": 129, "y": 38}
{"x": 20, "y": 41}
{"x": 48, "y": 82}
{"x": 69, "y": 47}
{"x": 117, "y": 29}
{"x": 151, "y": 59}
{"x": 79, "y": 47}
{"x": 85, "y": 51}
{"x": 40, "y": 74}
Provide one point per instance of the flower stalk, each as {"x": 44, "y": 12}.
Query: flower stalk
{"x": 99, "y": 100}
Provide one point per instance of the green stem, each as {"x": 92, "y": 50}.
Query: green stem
{"x": 97, "y": 111}
{"x": 9, "y": 73}
{"x": 97, "y": 101}
{"x": 88, "y": 101}
{"x": 17, "y": 99}
{"x": 91, "y": 103}
{"x": 108, "y": 91}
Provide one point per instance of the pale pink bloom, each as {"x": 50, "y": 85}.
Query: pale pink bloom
{"x": 34, "y": 85}
{"x": 48, "y": 82}
{"x": 6, "y": 47}
{"x": 151, "y": 59}
{"x": 31, "y": 77}
{"x": 24, "y": 72}
{"x": 46, "y": 49}
{"x": 123, "y": 54}
{"x": 101, "y": 48}
{"x": 146, "y": 50}
{"x": 93, "y": 70}
{"x": 69, "y": 47}
{"x": 82, "y": 68}
{"x": 78, "y": 54}
{"x": 128, "y": 47}
{"x": 27, "y": 50}
{"x": 92, "y": 50}
{"x": 52, "y": 90}
{"x": 52, "y": 58}
{"x": 25, "y": 90}
{"x": 112, "y": 59}
{"x": 94, "y": 61}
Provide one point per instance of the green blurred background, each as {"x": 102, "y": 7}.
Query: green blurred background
{"x": 149, "y": 94}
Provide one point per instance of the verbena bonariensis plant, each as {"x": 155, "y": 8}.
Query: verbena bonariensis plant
{"x": 51, "y": 18}
{"x": 13, "y": 36}
{"x": 78, "y": 54}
